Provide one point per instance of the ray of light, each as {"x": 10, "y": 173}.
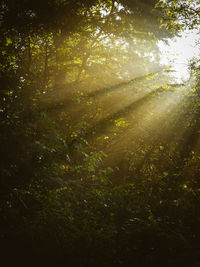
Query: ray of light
{"x": 108, "y": 100}
{"x": 158, "y": 122}
{"x": 139, "y": 102}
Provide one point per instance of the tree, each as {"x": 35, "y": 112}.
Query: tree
{"x": 179, "y": 15}
{"x": 77, "y": 77}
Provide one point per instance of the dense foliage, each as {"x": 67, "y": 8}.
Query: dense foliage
{"x": 99, "y": 166}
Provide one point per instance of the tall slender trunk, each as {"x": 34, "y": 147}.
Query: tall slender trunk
{"x": 29, "y": 55}
{"x": 57, "y": 44}
{"x": 46, "y": 65}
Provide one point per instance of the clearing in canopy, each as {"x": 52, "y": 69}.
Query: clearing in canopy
{"x": 100, "y": 133}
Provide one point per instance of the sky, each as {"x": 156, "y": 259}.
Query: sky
{"x": 178, "y": 52}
